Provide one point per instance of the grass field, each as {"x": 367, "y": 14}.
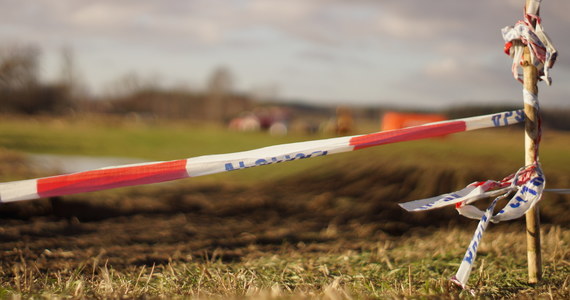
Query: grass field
{"x": 326, "y": 228}
{"x": 115, "y": 137}
{"x": 416, "y": 265}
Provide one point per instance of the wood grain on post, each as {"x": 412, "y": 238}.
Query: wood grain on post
{"x": 530, "y": 79}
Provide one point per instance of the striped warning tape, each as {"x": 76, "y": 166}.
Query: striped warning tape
{"x": 153, "y": 172}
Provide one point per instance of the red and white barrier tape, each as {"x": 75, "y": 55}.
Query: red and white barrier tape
{"x": 527, "y": 184}
{"x": 529, "y": 32}
{"x": 137, "y": 174}
{"x": 466, "y": 265}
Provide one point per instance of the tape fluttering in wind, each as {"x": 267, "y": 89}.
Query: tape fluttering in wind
{"x": 526, "y": 187}
{"x": 528, "y": 183}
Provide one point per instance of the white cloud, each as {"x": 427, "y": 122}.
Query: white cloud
{"x": 99, "y": 14}
{"x": 444, "y": 68}
{"x": 283, "y": 10}
{"x": 400, "y": 26}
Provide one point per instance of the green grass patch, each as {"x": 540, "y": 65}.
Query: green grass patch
{"x": 175, "y": 140}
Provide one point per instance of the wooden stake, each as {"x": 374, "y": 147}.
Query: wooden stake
{"x": 530, "y": 78}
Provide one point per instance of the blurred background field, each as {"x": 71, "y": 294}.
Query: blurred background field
{"x": 101, "y": 137}
{"x": 88, "y": 84}
{"x": 322, "y": 227}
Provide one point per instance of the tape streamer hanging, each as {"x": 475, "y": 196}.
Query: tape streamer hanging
{"x": 153, "y": 172}
{"x": 466, "y": 265}
{"x": 527, "y": 184}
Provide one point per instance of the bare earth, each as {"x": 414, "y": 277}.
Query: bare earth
{"x": 185, "y": 221}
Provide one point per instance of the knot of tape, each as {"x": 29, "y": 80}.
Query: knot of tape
{"x": 526, "y": 187}
{"x": 529, "y": 32}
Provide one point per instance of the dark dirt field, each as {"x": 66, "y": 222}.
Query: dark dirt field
{"x": 183, "y": 221}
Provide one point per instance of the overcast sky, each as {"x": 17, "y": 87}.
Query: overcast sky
{"x": 412, "y": 53}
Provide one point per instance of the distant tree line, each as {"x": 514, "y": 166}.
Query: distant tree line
{"x": 22, "y": 92}
{"x": 174, "y": 104}
{"x": 20, "y": 88}
{"x": 218, "y": 103}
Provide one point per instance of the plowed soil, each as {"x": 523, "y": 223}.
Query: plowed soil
{"x": 320, "y": 212}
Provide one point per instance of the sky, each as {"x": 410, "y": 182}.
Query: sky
{"x": 406, "y": 53}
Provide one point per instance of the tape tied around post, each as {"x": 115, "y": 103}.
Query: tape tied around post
{"x": 529, "y": 32}
{"x": 527, "y": 184}
{"x": 530, "y": 99}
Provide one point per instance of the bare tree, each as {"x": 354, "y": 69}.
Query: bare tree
{"x": 68, "y": 72}
{"x": 219, "y": 89}
{"x": 20, "y": 88}
{"x": 19, "y": 67}
{"x": 132, "y": 83}
{"x": 19, "y": 77}
{"x": 71, "y": 81}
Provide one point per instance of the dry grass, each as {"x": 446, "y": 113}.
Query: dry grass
{"x": 416, "y": 265}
